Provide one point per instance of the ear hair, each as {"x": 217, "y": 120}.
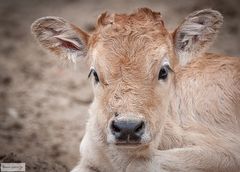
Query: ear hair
{"x": 196, "y": 33}
{"x": 60, "y": 37}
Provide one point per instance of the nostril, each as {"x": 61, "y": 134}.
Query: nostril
{"x": 116, "y": 114}
{"x": 115, "y": 128}
{"x": 139, "y": 127}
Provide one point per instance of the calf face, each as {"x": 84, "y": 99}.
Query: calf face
{"x": 131, "y": 61}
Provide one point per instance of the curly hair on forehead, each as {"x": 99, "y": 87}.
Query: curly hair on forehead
{"x": 142, "y": 15}
{"x": 129, "y": 36}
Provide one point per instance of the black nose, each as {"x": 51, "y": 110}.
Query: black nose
{"x": 128, "y": 131}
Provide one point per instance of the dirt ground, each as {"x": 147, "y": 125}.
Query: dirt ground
{"x": 44, "y": 102}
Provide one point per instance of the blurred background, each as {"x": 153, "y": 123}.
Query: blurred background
{"x": 44, "y": 102}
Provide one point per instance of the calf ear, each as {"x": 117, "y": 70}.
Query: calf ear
{"x": 60, "y": 37}
{"x": 196, "y": 33}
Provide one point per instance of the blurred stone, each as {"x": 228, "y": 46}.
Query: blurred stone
{"x": 13, "y": 113}
{"x": 6, "y": 80}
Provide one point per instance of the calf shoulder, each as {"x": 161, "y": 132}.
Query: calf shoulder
{"x": 207, "y": 91}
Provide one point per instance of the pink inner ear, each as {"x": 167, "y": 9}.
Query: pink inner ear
{"x": 68, "y": 45}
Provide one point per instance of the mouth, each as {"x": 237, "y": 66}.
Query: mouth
{"x": 129, "y": 144}
{"x": 135, "y": 147}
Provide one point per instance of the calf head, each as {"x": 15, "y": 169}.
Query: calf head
{"x": 131, "y": 61}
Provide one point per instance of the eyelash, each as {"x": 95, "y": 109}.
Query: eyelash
{"x": 92, "y": 71}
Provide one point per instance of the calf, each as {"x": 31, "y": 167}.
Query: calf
{"x": 161, "y": 102}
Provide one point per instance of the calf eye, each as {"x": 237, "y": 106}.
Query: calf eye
{"x": 163, "y": 73}
{"x": 94, "y": 74}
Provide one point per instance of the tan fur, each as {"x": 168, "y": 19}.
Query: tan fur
{"x": 192, "y": 118}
